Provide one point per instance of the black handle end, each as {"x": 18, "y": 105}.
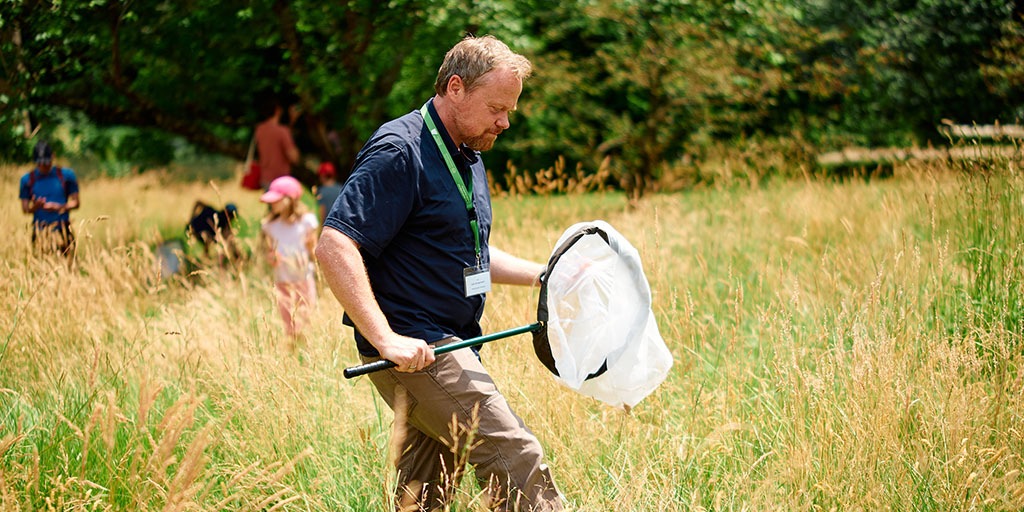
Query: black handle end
{"x": 363, "y": 369}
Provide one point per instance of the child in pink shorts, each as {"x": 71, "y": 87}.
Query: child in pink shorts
{"x": 288, "y": 237}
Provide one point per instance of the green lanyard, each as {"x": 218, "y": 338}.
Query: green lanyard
{"x": 464, "y": 191}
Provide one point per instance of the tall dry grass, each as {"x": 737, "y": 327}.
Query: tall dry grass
{"x": 838, "y": 345}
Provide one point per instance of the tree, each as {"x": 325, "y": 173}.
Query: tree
{"x": 915, "y": 63}
{"x": 1004, "y": 71}
{"x": 637, "y": 80}
{"x": 197, "y": 68}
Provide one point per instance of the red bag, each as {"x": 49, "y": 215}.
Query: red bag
{"x": 251, "y": 179}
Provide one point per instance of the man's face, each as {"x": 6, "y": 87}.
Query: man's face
{"x": 44, "y": 165}
{"x": 482, "y": 114}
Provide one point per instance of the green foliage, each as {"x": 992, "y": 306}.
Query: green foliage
{"x": 120, "y": 151}
{"x": 630, "y": 86}
{"x": 638, "y": 82}
{"x": 1004, "y": 71}
{"x": 14, "y": 145}
{"x": 916, "y": 63}
{"x": 198, "y": 69}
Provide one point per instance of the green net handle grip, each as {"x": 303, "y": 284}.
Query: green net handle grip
{"x": 384, "y": 364}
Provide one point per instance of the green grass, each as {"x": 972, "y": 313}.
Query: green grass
{"x": 838, "y": 346}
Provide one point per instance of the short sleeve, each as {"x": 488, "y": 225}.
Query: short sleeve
{"x": 23, "y": 191}
{"x": 310, "y": 221}
{"x": 287, "y": 143}
{"x": 377, "y": 198}
{"x": 70, "y": 181}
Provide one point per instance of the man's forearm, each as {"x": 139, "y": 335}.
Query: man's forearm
{"x": 345, "y": 272}
{"x": 508, "y": 269}
{"x": 343, "y": 268}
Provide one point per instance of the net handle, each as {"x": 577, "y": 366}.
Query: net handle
{"x": 384, "y": 364}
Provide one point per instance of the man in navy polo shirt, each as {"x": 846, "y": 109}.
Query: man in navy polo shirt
{"x": 405, "y": 250}
{"x": 49, "y": 193}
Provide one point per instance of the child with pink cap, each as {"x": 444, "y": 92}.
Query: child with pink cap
{"x": 288, "y": 235}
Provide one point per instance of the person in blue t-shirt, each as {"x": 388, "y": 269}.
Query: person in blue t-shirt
{"x": 405, "y": 249}
{"x": 328, "y": 190}
{"x": 49, "y": 193}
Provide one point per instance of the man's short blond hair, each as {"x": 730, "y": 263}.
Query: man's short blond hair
{"x": 474, "y": 57}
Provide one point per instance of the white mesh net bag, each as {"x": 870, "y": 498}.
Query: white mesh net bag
{"x": 600, "y": 337}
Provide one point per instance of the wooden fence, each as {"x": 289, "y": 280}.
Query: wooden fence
{"x": 970, "y": 142}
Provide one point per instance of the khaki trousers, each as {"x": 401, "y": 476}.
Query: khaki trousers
{"x": 506, "y": 456}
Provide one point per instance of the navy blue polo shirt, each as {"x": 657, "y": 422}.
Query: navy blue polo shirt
{"x": 402, "y": 207}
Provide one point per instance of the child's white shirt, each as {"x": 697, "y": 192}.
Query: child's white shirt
{"x": 294, "y": 263}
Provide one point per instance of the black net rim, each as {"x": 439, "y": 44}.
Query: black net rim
{"x": 541, "y": 343}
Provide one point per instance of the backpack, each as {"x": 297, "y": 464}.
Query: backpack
{"x": 35, "y": 174}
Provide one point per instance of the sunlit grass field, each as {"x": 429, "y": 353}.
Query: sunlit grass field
{"x": 847, "y": 345}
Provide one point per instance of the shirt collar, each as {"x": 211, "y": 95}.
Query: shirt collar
{"x": 470, "y": 156}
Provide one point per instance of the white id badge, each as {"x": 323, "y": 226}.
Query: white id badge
{"x": 478, "y": 280}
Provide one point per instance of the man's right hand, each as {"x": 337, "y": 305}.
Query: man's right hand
{"x": 343, "y": 268}
{"x": 409, "y": 354}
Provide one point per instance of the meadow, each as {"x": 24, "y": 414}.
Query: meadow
{"x": 838, "y": 345}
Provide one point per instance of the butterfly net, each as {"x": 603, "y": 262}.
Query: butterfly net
{"x": 600, "y": 336}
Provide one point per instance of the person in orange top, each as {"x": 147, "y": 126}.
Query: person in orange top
{"x": 274, "y": 143}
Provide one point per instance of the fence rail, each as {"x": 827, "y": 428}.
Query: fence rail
{"x": 867, "y": 156}
{"x": 981, "y": 131}
{"x": 980, "y": 142}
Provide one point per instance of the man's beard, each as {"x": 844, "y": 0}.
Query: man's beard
{"x": 481, "y": 142}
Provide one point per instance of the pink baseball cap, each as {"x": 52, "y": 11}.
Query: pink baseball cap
{"x": 284, "y": 186}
